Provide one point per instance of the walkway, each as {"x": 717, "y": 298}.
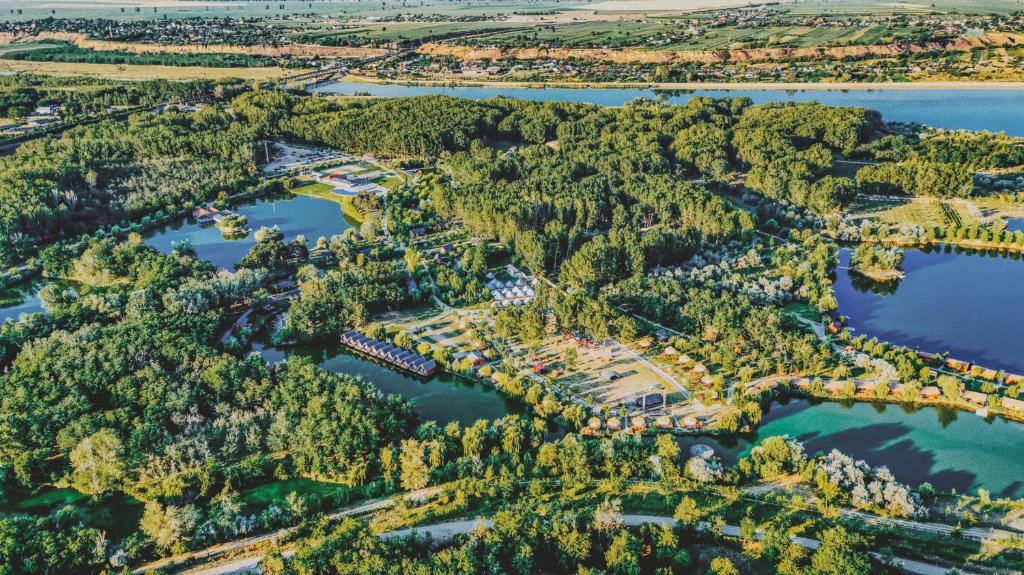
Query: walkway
{"x": 446, "y": 531}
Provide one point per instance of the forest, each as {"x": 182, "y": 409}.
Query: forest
{"x": 113, "y": 172}
{"x": 122, "y": 393}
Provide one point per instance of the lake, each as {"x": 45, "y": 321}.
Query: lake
{"x": 945, "y": 447}
{"x": 993, "y": 110}
{"x": 969, "y": 304}
{"x": 294, "y": 215}
{"x": 441, "y": 398}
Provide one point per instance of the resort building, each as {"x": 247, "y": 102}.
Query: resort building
{"x": 389, "y": 352}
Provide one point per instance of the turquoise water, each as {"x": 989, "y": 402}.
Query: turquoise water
{"x": 969, "y": 304}
{"x": 295, "y": 215}
{"x": 993, "y": 110}
{"x": 948, "y": 448}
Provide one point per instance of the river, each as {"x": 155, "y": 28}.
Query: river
{"x": 993, "y": 110}
{"x": 969, "y": 304}
{"x": 945, "y": 447}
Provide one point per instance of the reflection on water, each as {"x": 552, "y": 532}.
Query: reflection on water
{"x": 441, "y": 398}
{"x": 968, "y": 303}
{"x": 945, "y": 447}
{"x": 993, "y": 110}
{"x": 295, "y": 215}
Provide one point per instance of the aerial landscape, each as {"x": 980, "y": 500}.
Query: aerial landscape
{"x": 512, "y": 286}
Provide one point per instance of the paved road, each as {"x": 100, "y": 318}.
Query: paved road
{"x": 216, "y": 551}
{"x": 442, "y": 532}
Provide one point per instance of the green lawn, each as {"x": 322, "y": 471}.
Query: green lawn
{"x": 325, "y": 192}
{"x": 118, "y": 515}
{"x": 275, "y": 492}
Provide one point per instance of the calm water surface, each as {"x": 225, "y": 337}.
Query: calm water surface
{"x": 442, "y": 398}
{"x": 969, "y": 304}
{"x": 947, "y": 448}
{"x": 993, "y": 110}
{"x": 21, "y": 299}
{"x": 295, "y": 215}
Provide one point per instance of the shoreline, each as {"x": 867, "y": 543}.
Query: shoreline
{"x": 713, "y": 86}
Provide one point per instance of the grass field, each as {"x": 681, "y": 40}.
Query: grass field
{"x": 128, "y": 72}
{"x": 403, "y": 31}
{"x": 11, "y": 48}
{"x": 326, "y": 192}
{"x": 648, "y": 33}
{"x": 260, "y": 496}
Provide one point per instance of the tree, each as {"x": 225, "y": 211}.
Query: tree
{"x": 951, "y": 387}
{"x": 569, "y": 358}
{"x": 98, "y": 463}
{"x": 415, "y": 473}
{"x": 623, "y": 555}
{"x": 840, "y": 553}
{"x": 723, "y": 566}
{"x": 688, "y": 512}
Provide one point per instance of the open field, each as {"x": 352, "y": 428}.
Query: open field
{"x": 129, "y": 72}
{"x": 326, "y": 192}
{"x": 935, "y": 212}
{"x": 11, "y": 48}
{"x": 405, "y": 31}
{"x": 646, "y": 33}
{"x": 635, "y": 376}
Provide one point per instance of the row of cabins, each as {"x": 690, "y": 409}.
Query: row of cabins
{"x": 928, "y": 392}
{"x": 389, "y": 352}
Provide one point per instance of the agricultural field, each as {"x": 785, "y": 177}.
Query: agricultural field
{"x": 934, "y": 212}
{"x": 391, "y": 32}
{"x": 668, "y": 35}
{"x": 131, "y": 72}
{"x": 15, "y": 10}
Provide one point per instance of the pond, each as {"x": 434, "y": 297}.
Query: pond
{"x": 441, "y": 398}
{"x": 969, "y": 304}
{"x": 993, "y": 110}
{"x": 1015, "y": 224}
{"x": 295, "y": 215}
{"x": 945, "y": 447}
{"x": 23, "y": 298}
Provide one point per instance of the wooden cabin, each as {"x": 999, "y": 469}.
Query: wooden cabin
{"x": 975, "y": 397}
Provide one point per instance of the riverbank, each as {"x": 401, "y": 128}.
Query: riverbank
{"x": 726, "y": 86}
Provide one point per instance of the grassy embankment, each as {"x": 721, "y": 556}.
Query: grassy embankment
{"x": 326, "y": 192}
